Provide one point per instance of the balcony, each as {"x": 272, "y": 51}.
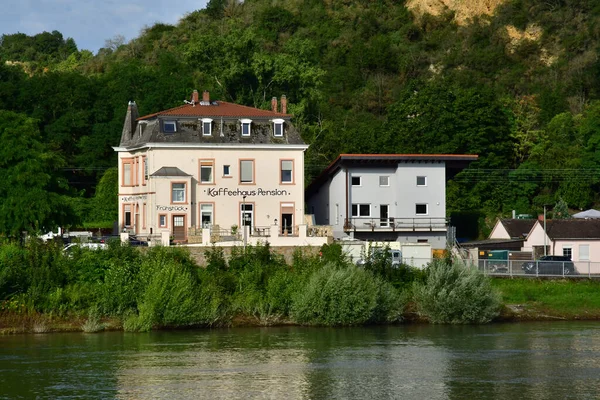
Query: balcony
{"x": 419, "y": 224}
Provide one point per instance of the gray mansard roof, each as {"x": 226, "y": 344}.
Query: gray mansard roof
{"x": 225, "y": 125}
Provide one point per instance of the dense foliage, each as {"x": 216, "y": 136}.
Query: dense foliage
{"x": 456, "y": 294}
{"x": 520, "y": 88}
{"x": 163, "y": 287}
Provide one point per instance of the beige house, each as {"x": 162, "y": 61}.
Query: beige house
{"x": 214, "y": 165}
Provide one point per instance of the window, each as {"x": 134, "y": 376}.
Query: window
{"x": 421, "y": 209}
{"x": 206, "y": 215}
{"x": 422, "y": 241}
{"x": 361, "y": 210}
{"x": 568, "y": 252}
{"x": 178, "y": 193}
{"x": 246, "y": 126}
{"x": 162, "y": 220}
{"x": 287, "y": 167}
{"x": 226, "y": 170}
{"x": 127, "y": 215}
{"x": 384, "y": 181}
{"x": 246, "y": 171}
{"x": 278, "y": 127}
{"x": 356, "y": 181}
{"x": 206, "y": 171}
{"x": 206, "y": 126}
{"x": 421, "y": 181}
{"x": 145, "y": 170}
{"x": 169, "y": 127}
{"x": 127, "y": 173}
{"x": 584, "y": 252}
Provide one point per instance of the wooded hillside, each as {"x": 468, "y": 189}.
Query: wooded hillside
{"x": 519, "y": 87}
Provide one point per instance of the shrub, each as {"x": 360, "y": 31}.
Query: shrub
{"x": 343, "y": 295}
{"x": 119, "y": 291}
{"x": 167, "y": 298}
{"x": 456, "y": 294}
{"x": 14, "y": 278}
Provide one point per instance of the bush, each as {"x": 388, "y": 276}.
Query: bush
{"x": 167, "y": 296}
{"x": 456, "y": 294}
{"x": 344, "y": 295}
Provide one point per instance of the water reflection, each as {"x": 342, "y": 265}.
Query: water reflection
{"x": 531, "y": 361}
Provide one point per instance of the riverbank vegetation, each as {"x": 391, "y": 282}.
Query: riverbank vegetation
{"x": 550, "y": 299}
{"x": 43, "y": 289}
{"x": 138, "y": 290}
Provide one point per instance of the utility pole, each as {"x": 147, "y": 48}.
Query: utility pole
{"x": 545, "y": 230}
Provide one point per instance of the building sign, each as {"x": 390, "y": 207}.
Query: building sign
{"x": 134, "y": 198}
{"x": 214, "y": 192}
{"x": 171, "y": 208}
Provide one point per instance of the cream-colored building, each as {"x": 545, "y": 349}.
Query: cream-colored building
{"x": 211, "y": 163}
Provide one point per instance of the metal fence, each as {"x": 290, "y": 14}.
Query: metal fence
{"x": 523, "y": 269}
{"x": 540, "y": 268}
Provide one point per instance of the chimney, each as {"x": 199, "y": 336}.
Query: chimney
{"x": 274, "y": 104}
{"x": 130, "y": 122}
{"x": 283, "y": 104}
{"x": 132, "y": 113}
{"x": 195, "y": 97}
{"x": 206, "y": 97}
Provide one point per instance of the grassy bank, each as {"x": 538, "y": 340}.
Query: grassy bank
{"x": 531, "y": 299}
{"x": 42, "y": 289}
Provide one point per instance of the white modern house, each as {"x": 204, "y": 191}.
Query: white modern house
{"x": 386, "y": 197}
{"x": 211, "y": 165}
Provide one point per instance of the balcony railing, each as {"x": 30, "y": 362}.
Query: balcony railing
{"x": 364, "y": 224}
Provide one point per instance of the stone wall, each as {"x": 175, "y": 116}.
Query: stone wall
{"x": 197, "y": 253}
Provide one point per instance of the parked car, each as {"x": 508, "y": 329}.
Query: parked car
{"x": 70, "y": 247}
{"x": 550, "y": 265}
{"x": 134, "y": 241}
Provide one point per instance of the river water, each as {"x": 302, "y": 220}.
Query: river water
{"x": 556, "y": 360}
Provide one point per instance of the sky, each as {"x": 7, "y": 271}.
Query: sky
{"x": 91, "y": 22}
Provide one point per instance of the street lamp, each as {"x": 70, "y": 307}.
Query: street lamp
{"x": 244, "y": 221}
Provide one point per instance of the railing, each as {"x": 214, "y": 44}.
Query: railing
{"x": 218, "y": 234}
{"x": 261, "y": 231}
{"x": 395, "y": 224}
{"x": 540, "y": 268}
{"x": 291, "y": 230}
{"x": 319, "y": 231}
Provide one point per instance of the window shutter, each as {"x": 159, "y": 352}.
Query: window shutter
{"x": 247, "y": 174}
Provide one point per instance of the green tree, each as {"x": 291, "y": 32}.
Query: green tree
{"x": 105, "y": 203}
{"x": 31, "y": 198}
{"x": 561, "y": 210}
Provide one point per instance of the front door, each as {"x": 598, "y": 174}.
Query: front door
{"x": 287, "y": 218}
{"x": 287, "y": 223}
{"x": 247, "y": 215}
{"x": 179, "y": 228}
{"x": 384, "y": 221}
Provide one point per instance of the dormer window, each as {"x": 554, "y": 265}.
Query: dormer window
{"x": 246, "y": 123}
{"x": 206, "y": 126}
{"x": 169, "y": 127}
{"x": 278, "y": 127}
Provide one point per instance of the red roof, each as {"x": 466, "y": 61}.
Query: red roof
{"x": 216, "y": 109}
